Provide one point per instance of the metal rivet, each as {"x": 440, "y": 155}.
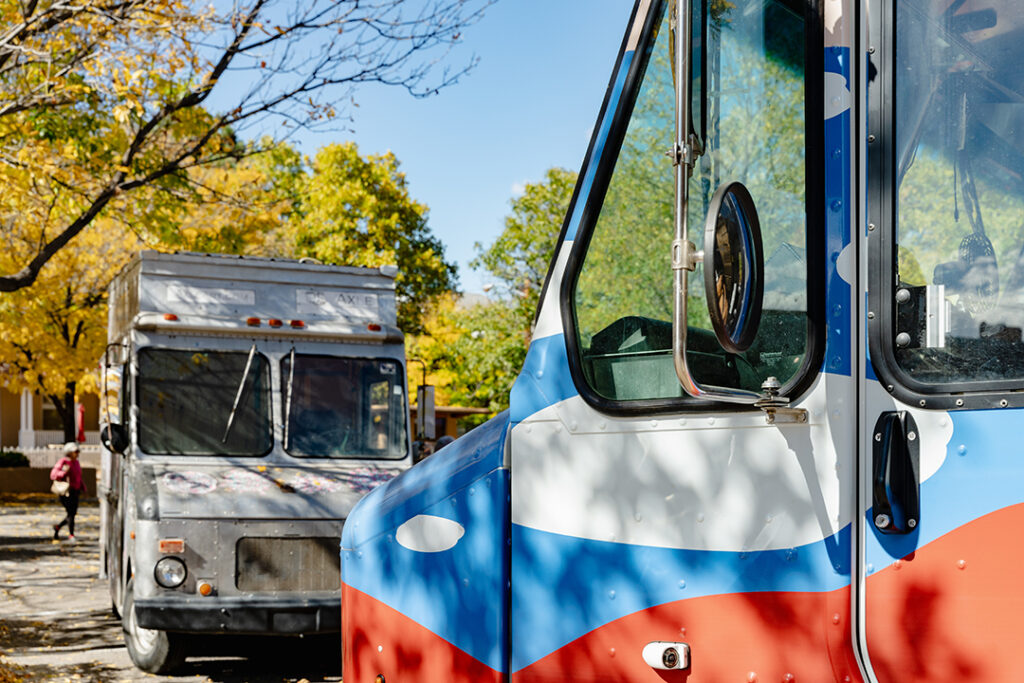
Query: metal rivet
{"x": 871, "y": 138}
{"x": 959, "y": 401}
{"x": 878, "y": 437}
{"x": 871, "y": 227}
{"x": 1004, "y": 403}
{"x": 889, "y": 388}
{"x": 882, "y": 521}
{"x": 911, "y": 436}
{"x": 902, "y": 296}
{"x": 871, "y": 315}
{"x": 871, "y": 50}
{"x": 902, "y": 339}
{"x": 912, "y": 523}
{"x": 835, "y": 618}
{"x": 922, "y": 403}
{"x": 962, "y": 564}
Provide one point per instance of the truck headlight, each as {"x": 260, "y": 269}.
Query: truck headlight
{"x": 170, "y": 572}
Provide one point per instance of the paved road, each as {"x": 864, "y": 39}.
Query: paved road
{"x": 56, "y": 623}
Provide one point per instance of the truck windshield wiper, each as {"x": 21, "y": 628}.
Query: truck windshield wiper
{"x": 288, "y": 396}
{"x": 238, "y": 394}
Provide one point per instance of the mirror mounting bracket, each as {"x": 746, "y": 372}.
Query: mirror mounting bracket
{"x": 776, "y": 408}
{"x": 685, "y": 255}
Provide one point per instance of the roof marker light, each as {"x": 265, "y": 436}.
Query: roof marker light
{"x": 252, "y": 322}
{"x": 297, "y": 324}
{"x": 373, "y": 327}
{"x": 171, "y": 317}
{"x": 275, "y": 322}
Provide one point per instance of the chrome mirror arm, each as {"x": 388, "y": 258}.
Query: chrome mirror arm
{"x": 685, "y": 255}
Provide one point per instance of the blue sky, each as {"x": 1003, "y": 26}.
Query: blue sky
{"x": 529, "y": 105}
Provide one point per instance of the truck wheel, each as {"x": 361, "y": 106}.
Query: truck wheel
{"x": 157, "y": 652}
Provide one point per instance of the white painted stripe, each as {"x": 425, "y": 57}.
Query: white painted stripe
{"x": 837, "y": 95}
{"x": 429, "y": 534}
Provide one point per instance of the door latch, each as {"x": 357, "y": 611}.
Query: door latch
{"x": 896, "y": 482}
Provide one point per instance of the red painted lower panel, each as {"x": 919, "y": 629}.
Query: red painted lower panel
{"x": 954, "y": 610}
{"x": 765, "y": 637}
{"x": 383, "y": 641}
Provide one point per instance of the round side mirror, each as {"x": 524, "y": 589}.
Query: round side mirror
{"x": 114, "y": 438}
{"x": 733, "y": 267}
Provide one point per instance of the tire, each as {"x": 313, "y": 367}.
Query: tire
{"x": 157, "y": 652}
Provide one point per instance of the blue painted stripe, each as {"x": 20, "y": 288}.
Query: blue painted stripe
{"x": 544, "y": 380}
{"x": 451, "y": 469}
{"x": 598, "y": 150}
{"x": 983, "y": 472}
{"x": 592, "y": 583}
{"x": 838, "y": 359}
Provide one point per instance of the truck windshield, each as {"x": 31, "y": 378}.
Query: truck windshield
{"x": 186, "y": 397}
{"x": 344, "y": 407}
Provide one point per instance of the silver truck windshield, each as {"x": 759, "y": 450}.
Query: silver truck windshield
{"x": 343, "y": 407}
{"x": 185, "y": 401}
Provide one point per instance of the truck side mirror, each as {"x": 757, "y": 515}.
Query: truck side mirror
{"x": 114, "y": 438}
{"x": 426, "y": 424}
{"x": 733, "y": 267}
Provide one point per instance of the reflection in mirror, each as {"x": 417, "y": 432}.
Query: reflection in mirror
{"x": 733, "y": 267}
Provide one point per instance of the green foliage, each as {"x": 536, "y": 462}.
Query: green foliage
{"x": 520, "y": 256}
{"x": 12, "y": 459}
{"x": 475, "y": 354}
{"x": 356, "y": 211}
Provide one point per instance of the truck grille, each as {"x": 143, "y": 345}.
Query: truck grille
{"x": 288, "y": 564}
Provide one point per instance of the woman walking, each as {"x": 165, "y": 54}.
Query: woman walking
{"x": 70, "y": 470}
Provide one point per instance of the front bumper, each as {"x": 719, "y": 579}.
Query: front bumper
{"x": 240, "y": 615}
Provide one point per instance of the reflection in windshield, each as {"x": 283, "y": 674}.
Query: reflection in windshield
{"x": 960, "y": 175}
{"x": 186, "y": 398}
{"x": 344, "y": 407}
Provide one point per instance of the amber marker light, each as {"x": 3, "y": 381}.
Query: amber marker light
{"x": 171, "y": 546}
{"x": 171, "y": 317}
{"x": 297, "y": 324}
{"x": 373, "y": 327}
{"x": 204, "y": 588}
{"x": 252, "y": 322}
{"x": 275, "y": 322}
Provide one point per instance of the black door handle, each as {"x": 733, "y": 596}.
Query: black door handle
{"x": 896, "y": 483}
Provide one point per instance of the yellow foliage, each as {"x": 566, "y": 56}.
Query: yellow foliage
{"x": 53, "y": 333}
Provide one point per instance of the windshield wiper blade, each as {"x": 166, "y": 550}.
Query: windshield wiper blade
{"x": 238, "y": 394}
{"x": 288, "y": 397}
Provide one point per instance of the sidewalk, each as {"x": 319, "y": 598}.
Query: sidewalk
{"x": 56, "y": 622}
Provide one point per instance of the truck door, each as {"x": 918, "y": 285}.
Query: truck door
{"x": 651, "y": 530}
{"x": 942, "y": 462}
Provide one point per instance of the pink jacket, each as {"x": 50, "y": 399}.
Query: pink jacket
{"x": 69, "y": 469}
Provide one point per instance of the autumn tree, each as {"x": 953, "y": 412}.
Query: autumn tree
{"x": 357, "y": 211}
{"x": 100, "y": 99}
{"x": 53, "y": 333}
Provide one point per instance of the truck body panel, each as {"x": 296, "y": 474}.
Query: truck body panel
{"x": 853, "y": 525}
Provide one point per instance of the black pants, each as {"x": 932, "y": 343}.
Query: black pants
{"x": 70, "y": 503}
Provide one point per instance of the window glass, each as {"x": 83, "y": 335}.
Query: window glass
{"x": 187, "y": 402}
{"x": 959, "y": 173}
{"x": 752, "y": 129}
{"x": 344, "y": 407}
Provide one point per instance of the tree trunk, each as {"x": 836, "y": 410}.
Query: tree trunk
{"x": 65, "y": 406}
